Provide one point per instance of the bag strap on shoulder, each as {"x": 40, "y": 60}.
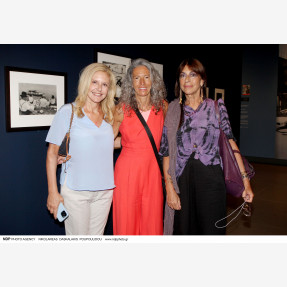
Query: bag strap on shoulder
{"x": 72, "y": 116}
{"x": 139, "y": 115}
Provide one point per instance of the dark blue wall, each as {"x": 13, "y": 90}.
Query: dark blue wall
{"x": 23, "y": 184}
{"x": 260, "y": 71}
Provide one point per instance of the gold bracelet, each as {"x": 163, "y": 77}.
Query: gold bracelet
{"x": 168, "y": 179}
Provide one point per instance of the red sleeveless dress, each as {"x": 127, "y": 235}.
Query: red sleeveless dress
{"x": 138, "y": 196}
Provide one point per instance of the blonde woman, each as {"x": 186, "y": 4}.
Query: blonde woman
{"x": 87, "y": 178}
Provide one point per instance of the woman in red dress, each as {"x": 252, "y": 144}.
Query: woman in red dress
{"x": 138, "y": 196}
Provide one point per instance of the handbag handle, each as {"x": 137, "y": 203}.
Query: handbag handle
{"x": 72, "y": 116}
{"x": 150, "y": 138}
{"x": 64, "y": 147}
{"x": 219, "y": 121}
{"x": 68, "y": 133}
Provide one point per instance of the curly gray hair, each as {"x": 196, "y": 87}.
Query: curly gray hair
{"x": 158, "y": 90}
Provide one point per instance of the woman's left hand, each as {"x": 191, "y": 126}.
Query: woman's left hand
{"x": 248, "y": 193}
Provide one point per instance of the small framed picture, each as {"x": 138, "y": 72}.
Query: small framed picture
{"x": 159, "y": 68}
{"x": 118, "y": 65}
{"x": 218, "y": 94}
{"x": 245, "y": 90}
{"x": 33, "y": 97}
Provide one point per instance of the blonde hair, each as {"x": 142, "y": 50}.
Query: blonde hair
{"x": 108, "y": 104}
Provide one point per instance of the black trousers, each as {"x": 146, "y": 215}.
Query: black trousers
{"x": 203, "y": 200}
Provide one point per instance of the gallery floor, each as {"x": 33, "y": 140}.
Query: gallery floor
{"x": 269, "y": 208}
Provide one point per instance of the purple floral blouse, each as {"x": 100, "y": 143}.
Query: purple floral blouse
{"x": 199, "y": 134}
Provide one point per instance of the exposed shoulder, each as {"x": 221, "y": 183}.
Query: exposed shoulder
{"x": 165, "y": 104}
{"x": 119, "y": 105}
{"x": 118, "y": 114}
{"x": 119, "y": 108}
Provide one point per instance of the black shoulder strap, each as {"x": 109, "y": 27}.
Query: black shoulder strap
{"x": 150, "y": 138}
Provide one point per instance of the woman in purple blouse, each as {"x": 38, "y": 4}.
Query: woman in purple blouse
{"x": 195, "y": 187}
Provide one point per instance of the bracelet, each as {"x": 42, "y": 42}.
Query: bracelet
{"x": 244, "y": 175}
{"x": 168, "y": 179}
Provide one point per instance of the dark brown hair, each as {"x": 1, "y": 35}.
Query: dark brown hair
{"x": 197, "y": 67}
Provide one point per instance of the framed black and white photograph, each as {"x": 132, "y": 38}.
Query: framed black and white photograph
{"x": 218, "y": 94}
{"x": 159, "y": 68}
{"x": 33, "y": 97}
{"x": 119, "y": 66}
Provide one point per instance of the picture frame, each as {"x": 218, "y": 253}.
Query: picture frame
{"x": 245, "y": 90}
{"x": 33, "y": 97}
{"x": 207, "y": 92}
{"x": 218, "y": 94}
{"x": 119, "y": 66}
{"x": 159, "y": 68}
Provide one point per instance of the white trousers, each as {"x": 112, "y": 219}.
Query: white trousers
{"x": 88, "y": 210}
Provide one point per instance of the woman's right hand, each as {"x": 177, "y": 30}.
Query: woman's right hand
{"x": 53, "y": 202}
{"x": 54, "y": 198}
{"x": 172, "y": 197}
{"x": 63, "y": 159}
